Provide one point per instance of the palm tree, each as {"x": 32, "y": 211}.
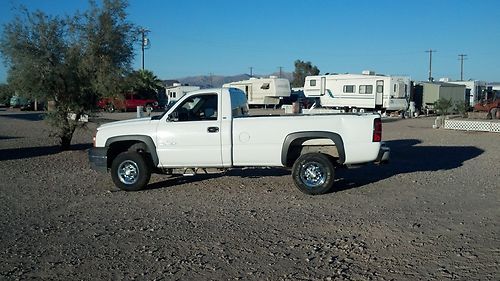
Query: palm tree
{"x": 145, "y": 80}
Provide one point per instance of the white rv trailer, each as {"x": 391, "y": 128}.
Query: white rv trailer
{"x": 367, "y": 91}
{"x": 177, "y": 91}
{"x": 263, "y": 91}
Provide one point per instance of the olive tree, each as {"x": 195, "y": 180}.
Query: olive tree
{"x": 5, "y": 94}
{"x": 303, "y": 69}
{"x": 71, "y": 60}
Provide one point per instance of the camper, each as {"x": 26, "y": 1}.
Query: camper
{"x": 359, "y": 92}
{"x": 177, "y": 90}
{"x": 263, "y": 91}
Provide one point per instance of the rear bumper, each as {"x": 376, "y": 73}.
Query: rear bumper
{"x": 383, "y": 154}
{"x": 98, "y": 159}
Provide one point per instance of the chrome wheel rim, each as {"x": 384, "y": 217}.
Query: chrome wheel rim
{"x": 312, "y": 174}
{"x": 128, "y": 172}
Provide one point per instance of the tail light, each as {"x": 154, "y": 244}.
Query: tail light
{"x": 93, "y": 141}
{"x": 377, "y": 130}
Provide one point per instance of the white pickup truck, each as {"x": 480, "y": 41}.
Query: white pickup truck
{"x": 211, "y": 128}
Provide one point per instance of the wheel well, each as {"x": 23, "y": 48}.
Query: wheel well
{"x": 121, "y": 146}
{"x": 298, "y": 149}
{"x": 299, "y": 143}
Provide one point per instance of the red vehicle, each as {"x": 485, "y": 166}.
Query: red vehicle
{"x": 489, "y": 103}
{"x": 129, "y": 102}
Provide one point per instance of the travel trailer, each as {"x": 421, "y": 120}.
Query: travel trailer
{"x": 359, "y": 92}
{"x": 263, "y": 91}
{"x": 177, "y": 91}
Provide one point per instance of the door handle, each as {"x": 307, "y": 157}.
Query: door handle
{"x": 213, "y": 129}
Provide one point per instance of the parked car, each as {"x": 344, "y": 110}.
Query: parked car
{"x": 26, "y": 104}
{"x": 130, "y": 102}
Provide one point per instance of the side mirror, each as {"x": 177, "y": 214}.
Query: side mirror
{"x": 174, "y": 116}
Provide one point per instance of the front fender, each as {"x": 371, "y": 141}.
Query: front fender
{"x": 151, "y": 147}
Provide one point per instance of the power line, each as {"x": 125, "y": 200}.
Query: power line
{"x": 430, "y": 51}
{"x": 462, "y": 58}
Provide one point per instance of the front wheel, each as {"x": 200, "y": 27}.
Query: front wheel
{"x": 313, "y": 173}
{"x": 130, "y": 171}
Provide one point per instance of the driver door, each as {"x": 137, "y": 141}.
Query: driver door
{"x": 191, "y": 135}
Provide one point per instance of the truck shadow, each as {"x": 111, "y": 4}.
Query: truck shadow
{"x": 407, "y": 156}
{"x": 243, "y": 173}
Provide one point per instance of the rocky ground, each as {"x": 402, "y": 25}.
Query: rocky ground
{"x": 433, "y": 213}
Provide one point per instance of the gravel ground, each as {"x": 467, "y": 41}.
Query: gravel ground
{"x": 432, "y": 213}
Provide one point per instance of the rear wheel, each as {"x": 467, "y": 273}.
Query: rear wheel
{"x": 130, "y": 171}
{"x": 110, "y": 108}
{"x": 493, "y": 113}
{"x": 148, "y": 108}
{"x": 313, "y": 173}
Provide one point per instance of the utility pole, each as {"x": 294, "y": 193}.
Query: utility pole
{"x": 251, "y": 71}
{"x": 211, "y": 79}
{"x": 430, "y": 51}
{"x": 281, "y": 70}
{"x": 145, "y": 43}
{"x": 462, "y": 58}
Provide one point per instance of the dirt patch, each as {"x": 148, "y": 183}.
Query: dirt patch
{"x": 430, "y": 214}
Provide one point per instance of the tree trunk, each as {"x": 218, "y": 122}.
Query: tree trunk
{"x": 66, "y": 134}
{"x": 65, "y": 142}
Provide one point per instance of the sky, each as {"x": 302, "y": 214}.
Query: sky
{"x": 224, "y": 37}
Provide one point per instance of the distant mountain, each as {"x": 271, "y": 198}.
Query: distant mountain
{"x": 215, "y": 81}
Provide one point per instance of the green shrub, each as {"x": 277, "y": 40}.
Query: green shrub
{"x": 443, "y": 106}
{"x": 462, "y": 108}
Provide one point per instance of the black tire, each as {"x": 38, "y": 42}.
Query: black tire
{"x": 130, "y": 171}
{"x": 148, "y": 108}
{"x": 493, "y": 113}
{"x": 110, "y": 108}
{"x": 313, "y": 173}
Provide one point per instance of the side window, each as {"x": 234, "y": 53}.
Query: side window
{"x": 197, "y": 108}
{"x": 312, "y": 83}
{"x": 366, "y": 89}
{"x": 349, "y": 89}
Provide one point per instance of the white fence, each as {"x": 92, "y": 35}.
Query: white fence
{"x": 472, "y": 125}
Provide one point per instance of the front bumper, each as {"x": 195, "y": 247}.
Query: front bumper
{"x": 383, "y": 154}
{"x": 98, "y": 159}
